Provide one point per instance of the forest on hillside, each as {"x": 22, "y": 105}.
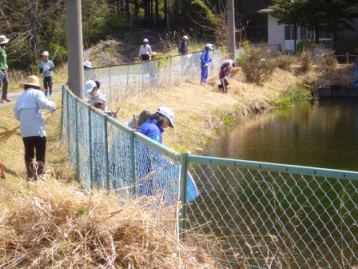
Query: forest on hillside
{"x": 37, "y": 25}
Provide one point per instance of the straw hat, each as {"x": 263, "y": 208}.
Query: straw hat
{"x": 3, "y": 40}
{"x": 32, "y": 81}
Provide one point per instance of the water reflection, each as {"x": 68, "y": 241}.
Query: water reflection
{"x": 323, "y": 134}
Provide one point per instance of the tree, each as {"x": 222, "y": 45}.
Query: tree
{"x": 314, "y": 14}
{"x": 289, "y": 12}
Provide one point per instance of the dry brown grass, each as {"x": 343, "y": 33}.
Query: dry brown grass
{"x": 12, "y": 149}
{"x": 201, "y": 111}
{"x": 49, "y": 224}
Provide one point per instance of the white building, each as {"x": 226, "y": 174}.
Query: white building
{"x": 283, "y": 35}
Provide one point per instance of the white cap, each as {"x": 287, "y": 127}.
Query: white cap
{"x": 45, "y": 53}
{"x": 168, "y": 113}
{"x": 186, "y": 37}
{"x": 209, "y": 45}
{"x": 145, "y": 40}
{"x": 87, "y": 64}
{"x": 90, "y": 85}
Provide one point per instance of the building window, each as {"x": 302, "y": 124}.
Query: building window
{"x": 306, "y": 34}
{"x": 289, "y": 32}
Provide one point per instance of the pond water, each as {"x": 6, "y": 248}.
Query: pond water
{"x": 282, "y": 219}
{"x": 322, "y": 134}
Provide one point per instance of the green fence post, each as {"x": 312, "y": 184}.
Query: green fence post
{"x": 133, "y": 167}
{"x": 77, "y": 145}
{"x": 63, "y": 106}
{"x": 68, "y": 123}
{"x": 183, "y": 191}
{"x": 90, "y": 145}
{"x": 106, "y": 151}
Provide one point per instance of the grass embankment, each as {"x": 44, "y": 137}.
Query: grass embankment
{"x": 200, "y": 112}
{"x": 52, "y": 223}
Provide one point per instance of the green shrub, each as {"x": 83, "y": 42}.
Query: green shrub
{"x": 256, "y": 64}
{"x": 305, "y": 45}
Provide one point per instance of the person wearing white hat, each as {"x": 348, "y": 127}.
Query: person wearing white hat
{"x": 89, "y": 71}
{"x": 205, "y": 59}
{"x": 155, "y": 125}
{"x": 32, "y": 124}
{"x": 183, "y": 45}
{"x": 145, "y": 50}
{"x": 3, "y": 69}
{"x": 95, "y": 97}
{"x": 46, "y": 69}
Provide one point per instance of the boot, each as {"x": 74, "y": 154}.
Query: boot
{"x": 40, "y": 168}
{"x": 30, "y": 170}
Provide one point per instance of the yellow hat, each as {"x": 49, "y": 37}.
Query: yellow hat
{"x": 32, "y": 81}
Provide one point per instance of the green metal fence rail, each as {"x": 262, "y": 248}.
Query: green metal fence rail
{"x": 258, "y": 215}
{"x": 123, "y": 81}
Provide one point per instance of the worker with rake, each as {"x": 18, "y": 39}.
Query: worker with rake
{"x": 32, "y": 125}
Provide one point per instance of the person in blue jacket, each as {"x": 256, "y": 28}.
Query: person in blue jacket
{"x": 205, "y": 60}
{"x": 155, "y": 125}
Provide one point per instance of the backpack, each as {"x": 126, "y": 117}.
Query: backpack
{"x": 138, "y": 120}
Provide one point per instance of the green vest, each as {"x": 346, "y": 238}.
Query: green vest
{"x": 3, "y": 64}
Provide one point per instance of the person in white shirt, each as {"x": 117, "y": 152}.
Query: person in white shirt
{"x": 95, "y": 97}
{"x": 46, "y": 69}
{"x": 145, "y": 51}
{"x": 32, "y": 124}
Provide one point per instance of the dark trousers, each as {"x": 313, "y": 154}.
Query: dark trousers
{"x": 5, "y": 84}
{"x": 48, "y": 86}
{"x": 144, "y": 57}
{"x": 34, "y": 145}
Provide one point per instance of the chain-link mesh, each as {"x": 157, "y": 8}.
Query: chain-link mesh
{"x": 258, "y": 215}
{"x": 131, "y": 80}
{"x": 264, "y": 218}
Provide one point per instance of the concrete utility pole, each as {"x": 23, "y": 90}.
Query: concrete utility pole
{"x": 231, "y": 28}
{"x": 75, "y": 47}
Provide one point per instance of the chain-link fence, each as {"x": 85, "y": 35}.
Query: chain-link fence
{"x": 256, "y": 215}
{"x": 131, "y": 80}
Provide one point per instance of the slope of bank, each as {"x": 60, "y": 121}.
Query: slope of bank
{"x": 201, "y": 112}
{"x": 53, "y": 223}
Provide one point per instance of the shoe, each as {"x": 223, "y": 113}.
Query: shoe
{"x": 7, "y": 100}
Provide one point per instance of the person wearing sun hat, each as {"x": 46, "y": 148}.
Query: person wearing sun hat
{"x": 145, "y": 51}
{"x": 155, "y": 125}
{"x": 95, "y": 97}
{"x": 183, "y": 45}
{"x": 32, "y": 124}
{"x": 3, "y": 68}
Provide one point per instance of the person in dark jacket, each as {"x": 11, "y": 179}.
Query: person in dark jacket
{"x": 183, "y": 45}
{"x": 225, "y": 70}
{"x": 205, "y": 60}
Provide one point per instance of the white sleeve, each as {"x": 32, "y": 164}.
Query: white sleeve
{"x": 44, "y": 103}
